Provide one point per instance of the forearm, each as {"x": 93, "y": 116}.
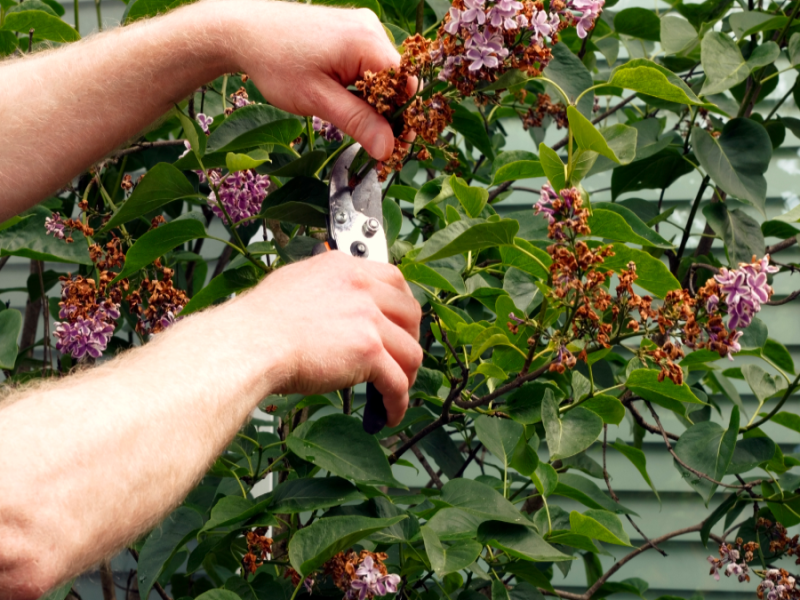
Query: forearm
{"x": 66, "y": 109}
{"x": 101, "y": 457}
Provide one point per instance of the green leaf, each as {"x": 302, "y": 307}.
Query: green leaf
{"x": 582, "y": 163}
{"x": 654, "y": 276}
{"x": 737, "y": 159}
{"x": 763, "y": 384}
{"x": 633, "y": 222}
{"x": 466, "y": 235}
{"x": 746, "y": 23}
{"x": 473, "y": 199}
{"x": 432, "y": 192}
{"x": 194, "y": 134}
{"x": 707, "y": 448}
{"x": 8, "y": 43}
{"x": 243, "y": 162}
{"x": 60, "y": 592}
{"x": 599, "y": 525}
{"x": 519, "y": 169}
{"x": 526, "y": 257}
{"x": 300, "y": 495}
{"x": 609, "y": 409}
{"x": 638, "y": 459}
{"x": 392, "y": 220}
{"x": 339, "y": 444}
{"x": 545, "y": 479}
{"x": 28, "y": 239}
{"x": 518, "y": 541}
{"x": 500, "y": 436}
{"x": 740, "y": 233}
{"x": 141, "y": 9}
{"x": 162, "y": 544}
{"x": 157, "y": 242}
{"x": 589, "y": 138}
{"x": 480, "y": 500}
{"x": 45, "y": 26}
{"x": 575, "y": 431}
{"x": 552, "y": 166}
{"x": 161, "y": 185}
{"x": 790, "y": 420}
{"x": 305, "y": 166}
{"x": 677, "y": 35}
{"x": 521, "y": 287}
{"x": 471, "y": 126}
{"x": 639, "y": 23}
{"x": 255, "y": 125}
{"x": 647, "y": 77}
{"x": 726, "y": 505}
{"x": 373, "y": 5}
{"x": 645, "y": 383}
{"x": 222, "y": 286}
{"x": 655, "y": 172}
{"x": 749, "y": 453}
{"x": 723, "y": 62}
{"x": 778, "y": 354}
{"x": 610, "y": 225}
{"x": 570, "y": 74}
{"x": 425, "y": 275}
{"x": 793, "y": 49}
{"x": 524, "y": 404}
{"x": 10, "y": 328}
{"x": 313, "y": 545}
{"x": 587, "y": 493}
{"x": 449, "y": 558}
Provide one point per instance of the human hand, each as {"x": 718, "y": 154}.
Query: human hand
{"x": 302, "y": 57}
{"x": 336, "y": 321}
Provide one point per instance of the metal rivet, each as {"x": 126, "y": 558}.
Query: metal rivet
{"x": 341, "y": 217}
{"x": 359, "y": 249}
{"x": 371, "y": 227}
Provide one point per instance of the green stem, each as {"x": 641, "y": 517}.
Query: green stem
{"x": 99, "y": 15}
{"x": 692, "y": 214}
{"x": 224, "y": 92}
{"x": 297, "y": 589}
{"x": 76, "y": 9}
{"x": 310, "y": 133}
{"x": 560, "y": 90}
{"x": 789, "y": 390}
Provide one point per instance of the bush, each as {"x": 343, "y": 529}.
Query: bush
{"x": 541, "y": 327}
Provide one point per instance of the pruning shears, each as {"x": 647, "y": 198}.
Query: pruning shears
{"x": 355, "y": 226}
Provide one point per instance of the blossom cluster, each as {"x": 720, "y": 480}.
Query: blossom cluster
{"x": 478, "y": 41}
{"x": 240, "y": 193}
{"x": 361, "y": 576}
{"x": 164, "y": 302}
{"x": 578, "y": 284}
{"x": 258, "y": 548}
{"x": 733, "y": 560}
{"x": 778, "y": 584}
{"x": 327, "y": 129}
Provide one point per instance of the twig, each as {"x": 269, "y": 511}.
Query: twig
{"x": 781, "y": 245}
{"x": 746, "y": 486}
{"x": 637, "y": 416}
{"x": 786, "y": 300}
{"x": 692, "y": 269}
{"x": 504, "y": 388}
{"x": 470, "y": 457}
{"x": 599, "y": 118}
{"x": 616, "y": 498}
{"x": 423, "y": 461}
{"x": 139, "y": 146}
{"x": 695, "y": 205}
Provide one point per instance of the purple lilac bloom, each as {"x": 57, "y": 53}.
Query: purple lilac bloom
{"x": 712, "y": 303}
{"x": 241, "y": 194}
{"x": 370, "y": 582}
{"x": 483, "y": 49}
{"x": 188, "y": 147}
{"x": 328, "y": 130}
{"x": 503, "y": 14}
{"x": 54, "y": 225}
{"x": 454, "y": 23}
{"x": 205, "y": 122}
{"x": 745, "y": 289}
{"x": 590, "y": 10}
{"x": 87, "y": 335}
{"x": 474, "y": 12}
{"x": 544, "y": 205}
{"x": 540, "y": 24}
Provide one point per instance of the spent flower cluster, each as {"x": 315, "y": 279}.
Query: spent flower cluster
{"x": 733, "y": 560}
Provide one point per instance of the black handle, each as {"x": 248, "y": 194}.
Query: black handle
{"x": 374, "y": 411}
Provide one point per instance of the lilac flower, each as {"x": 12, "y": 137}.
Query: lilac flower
{"x": 370, "y": 582}
{"x": 328, "y": 130}
{"x": 54, "y": 225}
{"x": 544, "y": 205}
{"x": 454, "y": 23}
{"x": 745, "y": 289}
{"x": 712, "y": 303}
{"x": 87, "y": 335}
{"x": 483, "y": 49}
{"x": 241, "y": 194}
{"x": 205, "y": 122}
{"x": 714, "y": 567}
{"x": 502, "y": 14}
{"x": 540, "y": 24}
{"x": 590, "y": 10}
{"x": 188, "y": 147}
{"x": 474, "y": 12}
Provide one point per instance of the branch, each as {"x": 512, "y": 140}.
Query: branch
{"x": 504, "y": 388}
{"x": 423, "y": 461}
{"x": 470, "y": 457}
{"x": 746, "y": 486}
{"x": 786, "y": 300}
{"x": 621, "y": 562}
{"x": 139, "y": 146}
{"x": 781, "y": 245}
{"x": 637, "y": 416}
{"x": 599, "y": 118}
{"x": 616, "y": 499}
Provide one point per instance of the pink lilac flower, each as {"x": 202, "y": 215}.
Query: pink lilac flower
{"x": 485, "y": 49}
{"x": 241, "y": 193}
{"x": 370, "y": 582}
{"x": 545, "y": 203}
{"x": 745, "y": 290}
{"x": 54, "y": 225}
{"x": 328, "y": 130}
{"x": 88, "y": 335}
{"x": 503, "y": 13}
{"x": 474, "y": 12}
{"x": 204, "y": 121}
{"x": 188, "y": 147}
{"x": 454, "y": 23}
{"x": 590, "y": 10}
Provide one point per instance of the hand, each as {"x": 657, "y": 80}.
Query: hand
{"x": 338, "y": 321}
{"x": 302, "y": 57}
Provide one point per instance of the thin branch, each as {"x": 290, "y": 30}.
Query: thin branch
{"x": 139, "y": 146}
{"x": 781, "y": 245}
{"x": 616, "y": 498}
{"x": 626, "y": 559}
{"x": 470, "y": 457}
{"x": 637, "y": 416}
{"x": 423, "y": 461}
{"x": 786, "y": 300}
{"x": 692, "y": 470}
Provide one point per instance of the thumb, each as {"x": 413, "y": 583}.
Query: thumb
{"x": 356, "y": 118}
